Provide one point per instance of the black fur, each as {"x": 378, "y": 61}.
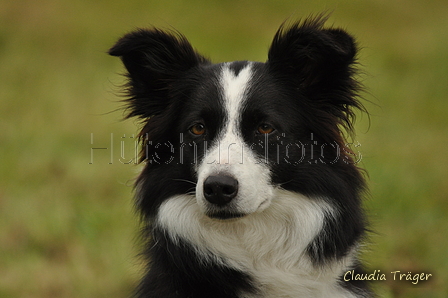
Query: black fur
{"x": 176, "y": 271}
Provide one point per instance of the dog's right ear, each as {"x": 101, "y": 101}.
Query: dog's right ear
{"x": 153, "y": 59}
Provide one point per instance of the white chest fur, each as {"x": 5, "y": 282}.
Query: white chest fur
{"x": 270, "y": 245}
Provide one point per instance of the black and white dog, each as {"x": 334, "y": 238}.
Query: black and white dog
{"x": 249, "y": 189}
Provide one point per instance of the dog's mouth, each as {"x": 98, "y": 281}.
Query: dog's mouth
{"x": 228, "y": 214}
{"x": 224, "y": 215}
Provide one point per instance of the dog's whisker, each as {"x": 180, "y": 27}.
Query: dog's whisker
{"x": 185, "y": 180}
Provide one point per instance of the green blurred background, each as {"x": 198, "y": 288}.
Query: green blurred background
{"x": 67, "y": 227}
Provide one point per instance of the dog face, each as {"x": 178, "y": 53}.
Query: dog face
{"x": 238, "y": 131}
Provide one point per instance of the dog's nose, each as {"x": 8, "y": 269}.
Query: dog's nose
{"x": 220, "y": 189}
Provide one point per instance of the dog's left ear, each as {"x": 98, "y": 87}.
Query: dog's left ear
{"x": 314, "y": 57}
{"x": 319, "y": 63}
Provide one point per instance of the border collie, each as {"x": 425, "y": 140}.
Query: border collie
{"x": 248, "y": 188}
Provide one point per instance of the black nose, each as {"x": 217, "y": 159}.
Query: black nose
{"x": 220, "y": 189}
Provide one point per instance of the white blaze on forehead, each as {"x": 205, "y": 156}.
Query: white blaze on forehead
{"x": 234, "y": 89}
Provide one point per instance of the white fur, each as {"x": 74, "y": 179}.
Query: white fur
{"x": 231, "y": 156}
{"x": 269, "y": 245}
{"x": 269, "y": 242}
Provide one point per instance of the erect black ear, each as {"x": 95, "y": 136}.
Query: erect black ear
{"x": 153, "y": 59}
{"x": 318, "y": 62}
{"x": 315, "y": 57}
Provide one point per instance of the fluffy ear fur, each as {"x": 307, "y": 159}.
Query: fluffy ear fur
{"x": 154, "y": 59}
{"x": 320, "y": 63}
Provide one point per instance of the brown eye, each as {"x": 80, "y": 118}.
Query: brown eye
{"x": 265, "y": 128}
{"x": 198, "y": 129}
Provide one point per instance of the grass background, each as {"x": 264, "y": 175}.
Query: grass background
{"x": 67, "y": 227}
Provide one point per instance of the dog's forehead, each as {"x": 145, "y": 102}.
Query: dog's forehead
{"x": 235, "y": 83}
{"x": 225, "y": 92}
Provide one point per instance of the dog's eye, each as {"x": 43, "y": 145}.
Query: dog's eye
{"x": 198, "y": 129}
{"x": 265, "y": 128}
